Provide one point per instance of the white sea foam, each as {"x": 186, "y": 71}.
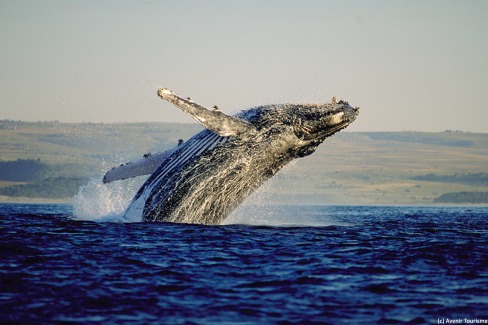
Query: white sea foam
{"x": 97, "y": 201}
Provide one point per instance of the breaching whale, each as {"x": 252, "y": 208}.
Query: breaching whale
{"x": 205, "y": 178}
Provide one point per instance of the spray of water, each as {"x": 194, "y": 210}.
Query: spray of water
{"x": 257, "y": 210}
{"x": 96, "y": 201}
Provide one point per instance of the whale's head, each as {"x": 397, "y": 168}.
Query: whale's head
{"x": 317, "y": 122}
{"x": 299, "y": 128}
{"x": 312, "y": 124}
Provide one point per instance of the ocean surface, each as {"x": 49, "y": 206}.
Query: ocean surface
{"x": 266, "y": 265}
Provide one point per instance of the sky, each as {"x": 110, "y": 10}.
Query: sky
{"x": 416, "y": 65}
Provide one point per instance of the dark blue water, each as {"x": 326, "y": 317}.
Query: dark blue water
{"x": 349, "y": 265}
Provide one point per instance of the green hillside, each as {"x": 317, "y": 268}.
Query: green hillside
{"x": 49, "y": 161}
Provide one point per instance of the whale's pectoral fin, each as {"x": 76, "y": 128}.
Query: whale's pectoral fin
{"x": 214, "y": 120}
{"x": 145, "y": 166}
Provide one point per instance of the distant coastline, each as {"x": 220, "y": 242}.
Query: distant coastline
{"x": 47, "y": 162}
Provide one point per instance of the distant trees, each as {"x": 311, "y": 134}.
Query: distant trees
{"x": 478, "y": 179}
{"x": 22, "y": 170}
{"x": 51, "y": 188}
{"x": 463, "y": 197}
{"x": 43, "y": 180}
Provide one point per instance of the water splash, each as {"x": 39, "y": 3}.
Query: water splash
{"x": 266, "y": 207}
{"x": 282, "y": 216}
{"x": 96, "y": 201}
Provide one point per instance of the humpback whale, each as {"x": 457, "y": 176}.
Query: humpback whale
{"x": 205, "y": 178}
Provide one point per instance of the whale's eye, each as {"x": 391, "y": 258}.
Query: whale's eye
{"x": 299, "y": 129}
{"x": 306, "y": 128}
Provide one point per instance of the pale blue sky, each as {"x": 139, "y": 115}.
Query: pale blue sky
{"x": 409, "y": 65}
